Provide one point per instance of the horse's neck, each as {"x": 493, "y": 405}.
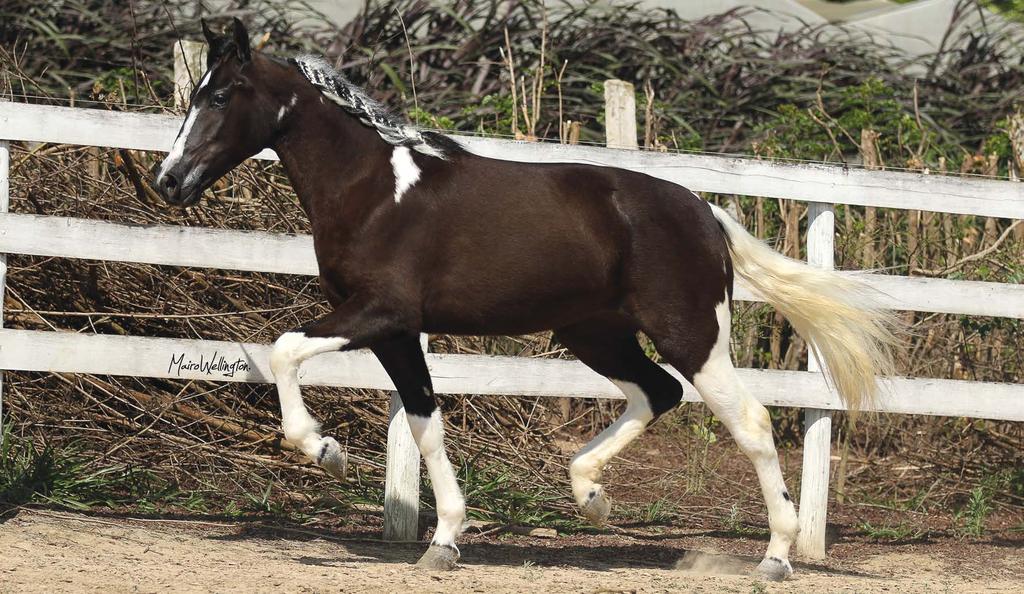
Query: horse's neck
{"x": 332, "y": 160}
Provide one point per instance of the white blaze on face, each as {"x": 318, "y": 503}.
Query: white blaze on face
{"x": 406, "y": 171}
{"x": 178, "y": 149}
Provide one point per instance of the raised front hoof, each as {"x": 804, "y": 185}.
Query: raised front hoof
{"x": 332, "y": 458}
{"x": 597, "y": 507}
{"x": 439, "y": 558}
{"x": 774, "y": 569}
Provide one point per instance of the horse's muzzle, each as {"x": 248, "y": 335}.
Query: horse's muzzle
{"x": 177, "y": 191}
{"x": 169, "y": 188}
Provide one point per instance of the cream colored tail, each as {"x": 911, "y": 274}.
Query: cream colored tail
{"x": 851, "y": 333}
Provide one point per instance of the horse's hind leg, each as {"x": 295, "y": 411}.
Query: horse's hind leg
{"x": 610, "y": 347}
{"x": 714, "y": 376}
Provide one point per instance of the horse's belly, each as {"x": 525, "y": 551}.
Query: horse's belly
{"x": 516, "y": 304}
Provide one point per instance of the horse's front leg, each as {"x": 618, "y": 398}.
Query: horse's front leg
{"x": 353, "y": 325}
{"x": 403, "y": 360}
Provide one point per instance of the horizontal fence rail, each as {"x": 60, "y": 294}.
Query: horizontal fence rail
{"x": 701, "y": 173}
{"x": 259, "y": 251}
{"x": 175, "y": 358}
{"x": 171, "y": 245}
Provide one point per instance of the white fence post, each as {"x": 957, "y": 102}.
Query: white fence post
{"x": 821, "y": 221}
{"x": 189, "y": 65}
{"x": 401, "y": 474}
{"x": 620, "y": 114}
{"x": 5, "y": 201}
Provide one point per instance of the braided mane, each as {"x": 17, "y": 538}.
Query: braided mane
{"x": 354, "y": 100}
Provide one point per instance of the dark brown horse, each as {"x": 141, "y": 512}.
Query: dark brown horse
{"x": 415, "y": 234}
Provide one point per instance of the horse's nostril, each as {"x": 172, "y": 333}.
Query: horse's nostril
{"x": 167, "y": 185}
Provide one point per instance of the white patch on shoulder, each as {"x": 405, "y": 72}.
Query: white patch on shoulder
{"x": 283, "y": 111}
{"x": 406, "y": 171}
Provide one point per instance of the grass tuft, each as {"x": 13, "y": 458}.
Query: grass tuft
{"x": 64, "y": 477}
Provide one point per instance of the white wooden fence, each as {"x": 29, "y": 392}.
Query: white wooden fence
{"x": 470, "y": 374}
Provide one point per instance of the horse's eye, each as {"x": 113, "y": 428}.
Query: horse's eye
{"x": 219, "y": 100}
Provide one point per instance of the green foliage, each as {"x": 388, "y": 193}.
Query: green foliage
{"x": 718, "y": 86}
{"x": 508, "y": 499}
{"x": 705, "y": 429}
{"x": 425, "y": 119}
{"x": 1012, "y": 9}
{"x": 868, "y": 105}
{"x": 656, "y": 512}
{"x": 493, "y": 114}
{"x": 793, "y": 133}
{"x": 1015, "y": 481}
{"x": 969, "y": 520}
{"x": 890, "y": 532}
{"x": 66, "y": 478}
{"x": 123, "y": 81}
{"x": 999, "y": 144}
{"x": 831, "y": 131}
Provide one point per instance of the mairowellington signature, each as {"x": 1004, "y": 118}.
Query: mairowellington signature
{"x": 215, "y": 365}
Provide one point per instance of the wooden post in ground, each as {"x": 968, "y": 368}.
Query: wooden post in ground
{"x": 189, "y": 66}
{"x": 818, "y": 423}
{"x": 620, "y": 114}
{"x": 401, "y": 474}
{"x": 620, "y": 133}
{"x": 5, "y": 201}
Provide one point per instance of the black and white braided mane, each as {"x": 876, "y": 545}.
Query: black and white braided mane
{"x": 355, "y": 101}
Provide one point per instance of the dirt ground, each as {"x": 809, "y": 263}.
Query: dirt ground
{"x": 55, "y": 552}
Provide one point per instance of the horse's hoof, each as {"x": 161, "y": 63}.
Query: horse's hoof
{"x": 597, "y": 507}
{"x": 439, "y": 558}
{"x": 774, "y": 569}
{"x": 332, "y": 458}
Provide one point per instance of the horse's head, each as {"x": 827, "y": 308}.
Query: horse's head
{"x": 234, "y": 113}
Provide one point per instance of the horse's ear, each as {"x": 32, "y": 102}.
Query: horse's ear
{"x": 211, "y": 37}
{"x": 218, "y": 45}
{"x": 241, "y": 41}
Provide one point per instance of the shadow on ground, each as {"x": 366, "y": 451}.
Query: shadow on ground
{"x": 567, "y": 553}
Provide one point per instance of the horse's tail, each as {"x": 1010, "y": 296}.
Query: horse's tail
{"x": 839, "y": 316}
